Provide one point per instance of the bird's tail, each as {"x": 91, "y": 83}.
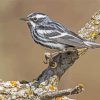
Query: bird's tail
{"x": 92, "y": 44}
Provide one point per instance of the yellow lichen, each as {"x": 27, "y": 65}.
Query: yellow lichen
{"x": 13, "y": 83}
{"x": 95, "y": 22}
{"x": 1, "y": 98}
{"x": 51, "y": 87}
{"x": 81, "y": 85}
{"x": 28, "y": 93}
{"x": 58, "y": 98}
{"x": 93, "y": 34}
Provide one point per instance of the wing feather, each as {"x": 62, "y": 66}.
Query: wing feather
{"x": 60, "y": 34}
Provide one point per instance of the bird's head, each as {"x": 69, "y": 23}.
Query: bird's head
{"x": 34, "y": 19}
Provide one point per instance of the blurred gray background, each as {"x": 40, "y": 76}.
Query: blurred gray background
{"x": 21, "y": 58}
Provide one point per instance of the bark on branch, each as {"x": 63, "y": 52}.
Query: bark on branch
{"x": 62, "y": 93}
{"x": 45, "y": 87}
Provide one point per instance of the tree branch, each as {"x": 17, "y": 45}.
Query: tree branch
{"x": 62, "y": 93}
{"x": 45, "y": 87}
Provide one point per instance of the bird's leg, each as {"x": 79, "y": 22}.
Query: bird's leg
{"x": 49, "y": 59}
{"x": 47, "y": 56}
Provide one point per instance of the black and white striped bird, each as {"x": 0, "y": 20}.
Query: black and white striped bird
{"x": 54, "y": 35}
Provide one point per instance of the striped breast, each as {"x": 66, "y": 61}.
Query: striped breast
{"x": 38, "y": 37}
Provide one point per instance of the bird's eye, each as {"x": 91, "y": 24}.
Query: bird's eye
{"x": 35, "y": 19}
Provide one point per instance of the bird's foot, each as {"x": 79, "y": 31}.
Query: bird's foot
{"x": 47, "y": 56}
{"x": 49, "y": 59}
{"x": 53, "y": 64}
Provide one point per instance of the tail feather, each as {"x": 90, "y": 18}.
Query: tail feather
{"x": 92, "y": 44}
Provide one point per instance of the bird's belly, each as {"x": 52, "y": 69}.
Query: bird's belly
{"x": 50, "y": 46}
{"x": 48, "y": 43}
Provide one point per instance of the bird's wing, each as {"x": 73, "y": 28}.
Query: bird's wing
{"x": 68, "y": 39}
{"x": 58, "y": 33}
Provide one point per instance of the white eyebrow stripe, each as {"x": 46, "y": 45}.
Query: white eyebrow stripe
{"x": 30, "y": 14}
{"x": 40, "y": 16}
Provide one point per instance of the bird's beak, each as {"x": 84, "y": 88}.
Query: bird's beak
{"x": 24, "y": 19}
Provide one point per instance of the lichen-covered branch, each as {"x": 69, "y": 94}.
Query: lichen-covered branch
{"x": 45, "y": 87}
{"x": 62, "y": 93}
{"x": 14, "y": 90}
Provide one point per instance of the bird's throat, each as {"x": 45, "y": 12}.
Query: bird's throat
{"x": 33, "y": 24}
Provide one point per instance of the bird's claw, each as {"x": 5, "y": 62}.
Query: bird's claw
{"x": 49, "y": 60}
{"x": 53, "y": 64}
{"x": 48, "y": 56}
